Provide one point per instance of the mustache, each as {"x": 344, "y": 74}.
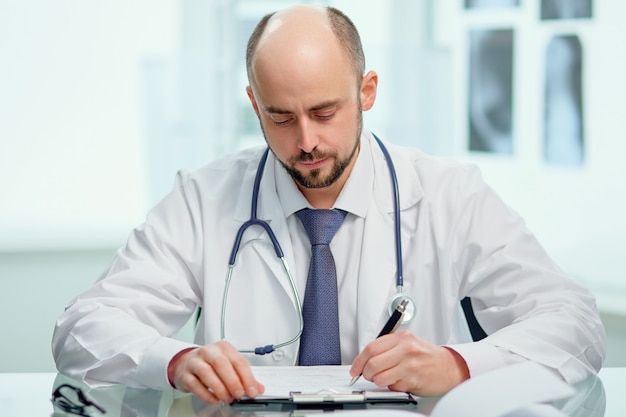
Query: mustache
{"x": 311, "y": 156}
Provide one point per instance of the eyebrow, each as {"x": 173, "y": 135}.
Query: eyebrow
{"x": 320, "y": 106}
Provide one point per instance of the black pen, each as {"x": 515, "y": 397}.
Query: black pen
{"x": 392, "y": 324}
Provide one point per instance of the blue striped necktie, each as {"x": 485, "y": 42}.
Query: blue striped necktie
{"x": 319, "y": 344}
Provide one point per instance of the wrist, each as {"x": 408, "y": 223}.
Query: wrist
{"x": 461, "y": 371}
{"x": 174, "y": 363}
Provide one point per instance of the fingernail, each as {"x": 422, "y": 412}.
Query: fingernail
{"x": 239, "y": 393}
{"x": 252, "y": 392}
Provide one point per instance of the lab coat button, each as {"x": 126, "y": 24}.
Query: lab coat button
{"x": 278, "y": 355}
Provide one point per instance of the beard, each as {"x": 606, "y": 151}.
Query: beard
{"x": 315, "y": 178}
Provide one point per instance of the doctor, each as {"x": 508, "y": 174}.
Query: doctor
{"x": 308, "y": 87}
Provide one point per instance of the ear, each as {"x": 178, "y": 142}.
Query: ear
{"x": 369, "y": 84}
{"x": 255, "y": 106}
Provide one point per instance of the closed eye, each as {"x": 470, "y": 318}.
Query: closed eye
{"x": 325, "y": 116}
{"x": 281, "y": 120}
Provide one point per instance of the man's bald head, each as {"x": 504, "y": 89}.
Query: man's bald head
{"x": 302, "y": 21}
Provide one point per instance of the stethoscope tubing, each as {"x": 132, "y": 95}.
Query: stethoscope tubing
{"x": 255, "y": 221}
{"x": 396, "y": 212}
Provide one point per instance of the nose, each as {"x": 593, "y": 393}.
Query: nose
{"x": 307, "y": 138}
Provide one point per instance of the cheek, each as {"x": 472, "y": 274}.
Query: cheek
{"x": 346, "y": 134}
{"x": 281, "y": 142}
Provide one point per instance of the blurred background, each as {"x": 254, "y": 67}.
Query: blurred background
{"x": 101, "y": 102}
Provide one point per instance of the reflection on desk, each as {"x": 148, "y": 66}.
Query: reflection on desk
{"x": 29, "y": 394}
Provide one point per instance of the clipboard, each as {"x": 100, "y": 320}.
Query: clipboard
{"x": 327, "y": 399}
{"x": 327, "y": 396}
{"x": 289, "y": 388}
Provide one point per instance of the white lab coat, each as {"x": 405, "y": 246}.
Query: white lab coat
{"x": 458, "y": 240}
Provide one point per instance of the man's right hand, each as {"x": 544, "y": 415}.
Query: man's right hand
{"x": 214, "y": 373}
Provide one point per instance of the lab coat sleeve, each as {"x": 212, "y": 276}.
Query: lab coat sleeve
{"x": 121, "y": 329}
{"x": 527, "y": 305}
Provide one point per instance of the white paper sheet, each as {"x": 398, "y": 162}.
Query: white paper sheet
{"x": 279, "y": 381}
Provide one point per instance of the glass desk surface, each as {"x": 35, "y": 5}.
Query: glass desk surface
{"x": 29, "y": 394}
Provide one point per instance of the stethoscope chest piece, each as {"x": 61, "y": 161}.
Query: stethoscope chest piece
{"x": 409, "y": 311}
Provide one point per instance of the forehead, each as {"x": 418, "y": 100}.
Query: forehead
{"x": 300, "y": 56}
{"x": 302, "y": 74}
{"x": 306, "y": 90}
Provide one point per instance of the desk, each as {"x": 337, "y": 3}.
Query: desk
{"x": 28, "y": 395}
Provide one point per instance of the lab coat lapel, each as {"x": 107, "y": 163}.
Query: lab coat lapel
{"x": 269, "y": 210}
{"x": 377, "y": 278}
{"x": 377, "y": 274}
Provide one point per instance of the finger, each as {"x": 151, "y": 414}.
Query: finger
{"x": 213, "y": 384}
{"x": 361, "y": 360}
{"x": 200, "y": 390}
{"x": 357, "y": 365}
{"x": 386, "y": 371}
{"x": 251, "y": 386}
{"x": 243, "y": 371}
{"x": 217, "y": 379}
{"x": 235, "y": 372}
{"x": 386, "y": 364}
{"x": 373, "y": 349}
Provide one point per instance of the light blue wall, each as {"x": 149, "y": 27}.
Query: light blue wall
{"x": 36, "y": 286}
{"x": 102, "y": 102}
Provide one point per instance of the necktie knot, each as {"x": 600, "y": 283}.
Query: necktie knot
{"x": 321, "y": 224}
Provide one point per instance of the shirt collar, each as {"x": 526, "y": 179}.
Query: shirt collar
{"x": 354, "y": 197}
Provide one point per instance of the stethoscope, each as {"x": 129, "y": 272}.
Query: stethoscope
{"x": 395, "y": 300}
